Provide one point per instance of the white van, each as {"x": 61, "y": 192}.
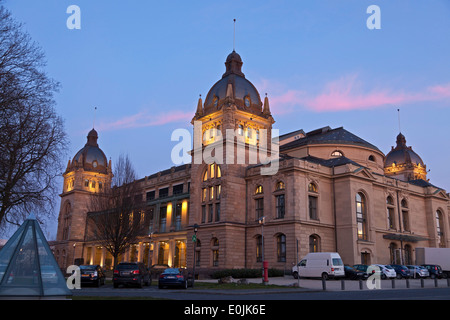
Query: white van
{"x": 320, "y": 264}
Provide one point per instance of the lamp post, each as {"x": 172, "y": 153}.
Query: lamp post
{"x": 265, "y": 279}
{"x": 73, "y": 253}
{"x": 194, "y": 240}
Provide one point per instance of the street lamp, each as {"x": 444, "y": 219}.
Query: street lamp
{"x": 265, "y": 279}
{"x": 194, "y": 240}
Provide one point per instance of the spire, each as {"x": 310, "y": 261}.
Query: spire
{"x": 199, "y": 107}
{"x": 266, "y": 110}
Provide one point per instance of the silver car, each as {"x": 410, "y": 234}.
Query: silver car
{"x": 418, "y": 271}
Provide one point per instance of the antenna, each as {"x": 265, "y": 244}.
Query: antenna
{"x": 399, "y": 128}
{"x": 234, "y": 34}
{"x": 93, "y": 124}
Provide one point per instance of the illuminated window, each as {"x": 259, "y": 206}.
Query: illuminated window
{"x": 280, "y": 185}
{"x": 212, "y": 170}
{"x": 337, "y": 153}
{"x": 211, "y": 193}
{"x": 312, "y": 187}
{"x": 390, "y": 212}
{"x": 259, "y": 189}
{"x": 361, "y": 216}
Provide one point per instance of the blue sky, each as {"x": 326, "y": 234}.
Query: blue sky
{"x": 143, "y": 65}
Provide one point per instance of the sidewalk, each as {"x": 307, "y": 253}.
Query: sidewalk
{"x": 348, "y": 285}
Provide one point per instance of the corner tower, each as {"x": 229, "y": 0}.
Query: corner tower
{"x": 89, "y": 172}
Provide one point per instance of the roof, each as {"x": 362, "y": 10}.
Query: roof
{"x": 333, "y": 162}
{"x": 326, "y": 135}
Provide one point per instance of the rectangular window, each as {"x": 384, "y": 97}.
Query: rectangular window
{"x": 217, "y": 211}
{"x": 178, "y": 217}
{"x": 391, "y": 218}
{"x": 162, "y": 219}
{"x": 203, "y": 214}
{"x": 204, "y": 192}
{"x": 211, "y": 193}
{"x": 259, "y": 204}
{"x": 164, "y": 192}
{"x": 210, "y": 213}
{"x": 218, "y": 191}
{"x": 280, "y": 206}
{"x": 178, "y": 189}
{"x": 150, "y": 195}
{"x": 313, "y": 207}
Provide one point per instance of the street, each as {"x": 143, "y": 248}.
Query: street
{"x": 313, "y": 291}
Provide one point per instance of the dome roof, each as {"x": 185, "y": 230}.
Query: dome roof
{"x": 402, "y": 154}
{"x": 91, "y": 157}
{"x": 235, "y": 86}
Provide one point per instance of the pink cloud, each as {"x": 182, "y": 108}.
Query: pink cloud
{"x": 145, "y": 119}
{"x": 346, "y": 94}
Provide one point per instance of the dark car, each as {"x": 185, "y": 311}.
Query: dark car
{"x": 92, "y": 274}
{"x": 353, "y": 273}
{"x": 434, "y": 270}
{"x": 174, "y": 277}
{"x": 401, "y": 271}
{"x": 131, "y": 273}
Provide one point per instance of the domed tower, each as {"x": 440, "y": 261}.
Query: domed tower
{"x": 233, "y": 103}
{"x": 232, "y": 128}
{"x": 403, "y": 163}
{"x": 88, "y": 173}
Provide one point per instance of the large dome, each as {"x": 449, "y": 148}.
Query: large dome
{"x": 91, "y": 157}
{"x": 402, "y": 154}
{"x": 233, "y": 85}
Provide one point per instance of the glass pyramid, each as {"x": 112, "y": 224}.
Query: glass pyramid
{"x": 28, "y": 267}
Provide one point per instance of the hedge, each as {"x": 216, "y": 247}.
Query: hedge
{"x": 245, "y": 273}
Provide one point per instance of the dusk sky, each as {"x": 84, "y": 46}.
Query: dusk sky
{"x": 143, "y": 65}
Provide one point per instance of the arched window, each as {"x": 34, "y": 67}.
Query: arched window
{"x": 361, "y": 216}
{"x": 280, "y": 186}
{"x": 314, "y": 243}
{"x": 281, "y": 248}
{"x": 371, "y": 158}
{"x": 337, "y": 153}
{"x": 259, "y": 189}
{"x": 312, "y": 187}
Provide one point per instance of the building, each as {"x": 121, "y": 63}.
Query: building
{"x": 332, "y": 191}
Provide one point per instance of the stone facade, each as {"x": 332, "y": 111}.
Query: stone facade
{"x": 333, "y": 191}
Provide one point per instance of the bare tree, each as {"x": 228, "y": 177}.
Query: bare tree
{"x": 116, "y": 216}
{"x": 32, "y": 136}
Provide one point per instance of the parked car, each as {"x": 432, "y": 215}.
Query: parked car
{"x": 92, "y": 274}
{"x": 174, "y": 277}
{"x": 134, "y": 273}
{"x": 320, "y": 264}
{"x": 434, "y": 270}
{"x": 418, "y": 271}
{"x": 48, "y": 274}
{"x": 401, "y": 271}
{"x": 386, "y": 271}
{"x": 354, "y": 274}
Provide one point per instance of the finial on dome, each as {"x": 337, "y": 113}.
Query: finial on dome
{"x": 266, "y": 110}
{"x": 92, "y": 138}
{"x": 199, "y": 107}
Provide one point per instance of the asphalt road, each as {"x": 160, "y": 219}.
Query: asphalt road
{"x": 442, "y": 293}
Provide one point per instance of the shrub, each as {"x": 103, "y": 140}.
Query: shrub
{"x": 245, "y": 273}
